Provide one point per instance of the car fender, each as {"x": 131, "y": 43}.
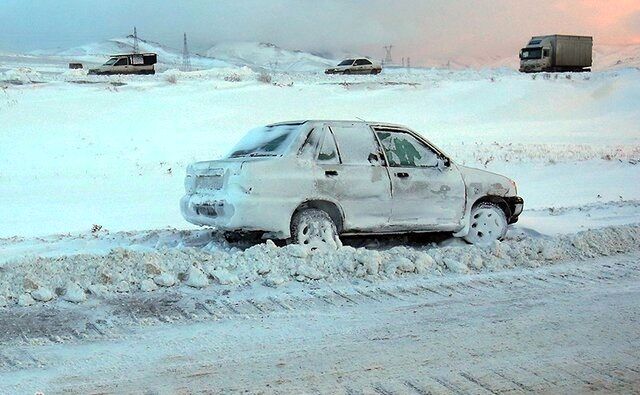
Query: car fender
{"x": 482, "y": 184}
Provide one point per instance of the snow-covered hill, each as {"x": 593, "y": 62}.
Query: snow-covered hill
{"x": 99, "y": 52}
{"x": 268, "y": 56}
{"x": 607, "y": 57}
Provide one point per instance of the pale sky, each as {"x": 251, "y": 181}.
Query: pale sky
{"x": 421, "y": 29}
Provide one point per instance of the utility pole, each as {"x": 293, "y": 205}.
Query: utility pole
{"x": 186, "y": 60}
{"x": 387, "y": 56}
{"x": 135, "y": 40}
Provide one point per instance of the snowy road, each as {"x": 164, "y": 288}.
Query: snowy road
{"x": 568, "y": 328}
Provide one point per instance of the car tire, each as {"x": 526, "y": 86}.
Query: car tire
{"x": 487, "y": 223}
{"x": 347, "y": 72}
{"x": 314, "y": 229}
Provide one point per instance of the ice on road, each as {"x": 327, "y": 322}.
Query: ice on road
{"x": 571, "y": 328}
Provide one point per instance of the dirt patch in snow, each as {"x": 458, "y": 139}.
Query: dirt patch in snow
{"x": 34, "y": 280}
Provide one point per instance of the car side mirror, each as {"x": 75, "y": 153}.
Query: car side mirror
{"x": 373, "y": 159}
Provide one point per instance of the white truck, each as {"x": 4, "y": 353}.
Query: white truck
{"x": 310, "y": 181}
{"x": 557, "y": 53}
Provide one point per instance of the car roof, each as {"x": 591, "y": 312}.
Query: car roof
{"x": 339, "y": 122}
{"x": 130, "y": 54}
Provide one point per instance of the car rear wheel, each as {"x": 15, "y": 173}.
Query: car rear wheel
{"x": 314, "y": 228}
{"x": 346, "y": 72}
{"x": 487, "y": 223}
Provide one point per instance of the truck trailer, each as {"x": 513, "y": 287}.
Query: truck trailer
{"x": 557, "y": 53}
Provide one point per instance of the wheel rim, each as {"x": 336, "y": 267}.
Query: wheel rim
{"x": 486, "y": 225}
{"x": 316, "y": 234}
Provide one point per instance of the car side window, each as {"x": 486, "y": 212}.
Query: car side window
{"x": 404, "y": 150}
{"x": 328, "y": 153}
{"x": 362, "y": 62}
{"x": 308, "y": 148}
{"x": 357, "y": 145}
{"x": 121, "y": 62}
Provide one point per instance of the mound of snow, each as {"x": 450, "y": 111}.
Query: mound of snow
{"x": 267, "y": 56}
{"x": 26, "y": 279}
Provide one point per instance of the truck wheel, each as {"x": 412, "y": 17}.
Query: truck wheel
{"x": 314, "y": 229}
{"x": 488, "y": 223}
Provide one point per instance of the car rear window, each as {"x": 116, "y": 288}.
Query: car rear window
{"x": 266, "y": 141}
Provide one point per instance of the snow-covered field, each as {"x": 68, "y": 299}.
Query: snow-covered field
{"x": 91, "y": 171}
{"x": 85, "y": 156}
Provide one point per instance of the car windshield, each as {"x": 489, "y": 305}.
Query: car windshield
{"x": 531, "y": 53}
{"x": 347, "y": 62}
{"x": 266, "y": 141}
{"x": 110, "y": 62}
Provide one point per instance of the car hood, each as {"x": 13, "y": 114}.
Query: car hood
{"x": 486, "y": 182}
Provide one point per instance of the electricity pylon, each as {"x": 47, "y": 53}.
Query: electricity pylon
{"x": 186, "y": 60}
{"x": 135, "y": 40}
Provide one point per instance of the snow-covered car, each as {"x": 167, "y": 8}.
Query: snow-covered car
{"x": 355, "y": 66}
{"x": 311, "y": 181}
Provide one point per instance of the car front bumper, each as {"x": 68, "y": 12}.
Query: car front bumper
{"x": 516, "y": 205}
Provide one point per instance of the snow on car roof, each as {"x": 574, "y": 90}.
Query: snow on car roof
{"x": 338, "y": 121}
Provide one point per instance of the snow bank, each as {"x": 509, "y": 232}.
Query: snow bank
{"x": 30, "y": 280}
{"x": 21, "y": 74}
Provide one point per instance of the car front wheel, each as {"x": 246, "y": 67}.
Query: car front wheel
{"x": 314, "y": 229}
{"x": 487, "y": 223}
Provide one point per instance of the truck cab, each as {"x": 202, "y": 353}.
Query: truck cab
{"x": 128, "y": 64}
{"x": 536, "y": 56}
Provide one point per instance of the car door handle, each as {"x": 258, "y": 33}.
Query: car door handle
{"x": 330, "y": 173}
{"x": 402, "y": 175}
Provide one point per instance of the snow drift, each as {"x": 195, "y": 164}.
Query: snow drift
{"x": 27, "y": 280}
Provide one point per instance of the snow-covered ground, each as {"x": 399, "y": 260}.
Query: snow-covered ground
{"x": 91, "y": 171}
{"x": 569, "y": 328}
{"x": 111, "y": 151}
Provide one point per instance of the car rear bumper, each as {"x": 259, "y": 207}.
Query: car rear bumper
{"x": 240, "y": 213}
{"x": 516, "y": 205}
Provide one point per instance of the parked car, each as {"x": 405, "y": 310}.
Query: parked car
{"x": 311, "y": 181}
{"x": 128, "y": 64}
{"x": 355, "y": 66}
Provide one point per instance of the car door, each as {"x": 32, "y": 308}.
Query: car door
{"x": 362, "y": 66}
{"x": 427, "y": 193}
{"x": 349, "y": 171}
{"x": 121, "y": 66}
